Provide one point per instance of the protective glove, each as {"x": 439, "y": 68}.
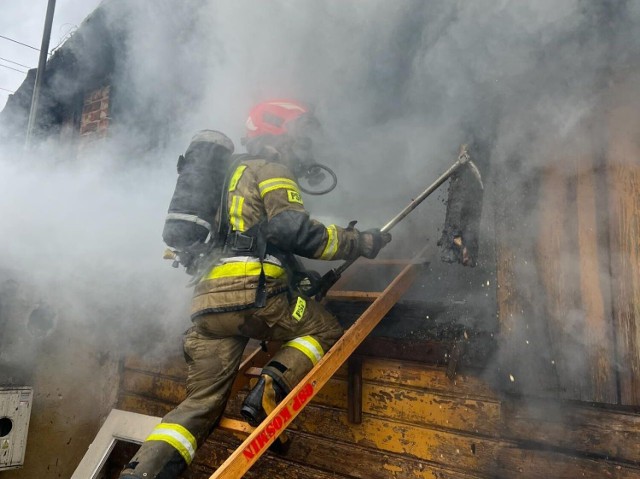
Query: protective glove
{"x": 370, "y": 242}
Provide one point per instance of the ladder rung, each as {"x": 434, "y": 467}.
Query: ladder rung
{"x": 256, "y": 358}
{"x": 235, "y": 425}
{"x": 253, "y": 372}
{"x": 387, "y": 261}
{"x": 353, "y": 295}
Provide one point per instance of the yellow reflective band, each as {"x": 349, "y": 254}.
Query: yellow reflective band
{"x": 294, "y": 196}
{"x": 236, "y": 177}
{"x": 178, "y": 437}
{"x": 332, "y": 243}
{"x": 275, "y": 184}
{"x": 235, "y": 213}
{"x": 309, "y": 346}
{"x": 298, "y": 311}
{"x": 230, "y": 270}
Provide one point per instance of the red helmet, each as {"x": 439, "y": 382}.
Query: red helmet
{"x": 271, "y": 117}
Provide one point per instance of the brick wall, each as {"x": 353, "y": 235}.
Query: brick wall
{"x": 95, "y": 114}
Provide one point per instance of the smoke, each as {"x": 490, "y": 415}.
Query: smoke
{"x": 398, "y": 87}
{"x": 83, "y": 240}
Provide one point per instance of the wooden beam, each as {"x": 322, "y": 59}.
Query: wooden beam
{"x": 522, "y": 365}
{"x": 478, "y": 350}
{"x": 557, "y": 264}
{"x": 569, "y": 426}
{"x": 455, "y": 358}
{"x": 323, "y": 458}
{"x": 595, "y": 284}
{"x": 354, "y": 390}
{"x": 623, "y": 167}
{"x": 527, "y": 463}
{"x": 367, "y": 266}
{"x": 385, "y": 261}
{"x": 253, "y": 372}
{"x": 370, "y": 296}
{"x": 235, "y": 426}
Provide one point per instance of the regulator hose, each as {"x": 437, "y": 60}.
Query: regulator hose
{"x": 313, "y": 173}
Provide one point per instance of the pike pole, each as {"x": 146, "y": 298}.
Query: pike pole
{"x": 332, "y": 276}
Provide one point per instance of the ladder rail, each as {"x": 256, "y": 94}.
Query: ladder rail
{"x": 241, "y": 460}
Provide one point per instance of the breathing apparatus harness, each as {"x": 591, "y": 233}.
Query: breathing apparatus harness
{"x": 199, "y": 230}
{"x": 254, "y": 240}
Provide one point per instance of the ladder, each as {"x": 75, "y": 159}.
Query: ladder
{"x": 260, "y": 438}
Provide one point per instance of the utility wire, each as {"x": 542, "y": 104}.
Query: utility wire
{"x": 11, "y": 68}
{"x": 15, "y": 63}
{"x": 10, "y": 91}
{"x": 20, "y": 43}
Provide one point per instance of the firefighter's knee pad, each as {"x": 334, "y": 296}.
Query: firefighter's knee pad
{"x": 263, "y": 397}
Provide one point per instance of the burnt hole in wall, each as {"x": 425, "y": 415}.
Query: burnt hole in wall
{"x": 6, "y": 425}
{"x": 41, "y": 321}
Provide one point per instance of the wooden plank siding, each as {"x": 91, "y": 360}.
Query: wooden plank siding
{"x": 557, "y": 263}
{"x": 595, "y": 283}
{"x": 416, "y": 423}
{"x": 524, "y": 359}
{"x": 623, "y": 167}
{"x": 568, "y": 258}
{"x": 575, "y": 282}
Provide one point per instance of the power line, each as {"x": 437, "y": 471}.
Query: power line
{"x": 10, "y": 91}
{"x": 15, "y": 63}
{"x": 11, "y": 68}
{"x": 20, "y": 43}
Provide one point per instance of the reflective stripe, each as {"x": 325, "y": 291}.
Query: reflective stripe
{"x": 249, "y": 259}
{"x": 191, "y": 218}
{"x": 309, "y": 346}
{"x": 233, "y": 183}
{"x": 235, "y": 213}
{"x": 178, "y": 437}
{"x": 230, "y": 270}
{"x": 332, "y": 243}
{"x": 275, "y": 184}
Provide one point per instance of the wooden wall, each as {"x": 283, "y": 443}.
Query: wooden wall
{"x": 568, "y": 242}
{"x": 416, "y": 423}
{"x": 623, "y": 176}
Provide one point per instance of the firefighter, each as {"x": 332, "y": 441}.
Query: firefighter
{"x": 248, "y": 292}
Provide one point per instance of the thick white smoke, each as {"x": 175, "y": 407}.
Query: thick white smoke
{"x": 398, "y": 87}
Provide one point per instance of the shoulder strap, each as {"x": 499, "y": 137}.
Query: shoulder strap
{"x": 261, "y": 290}
{"x": 225, "y": 228}
{"x": 223, "y": 213}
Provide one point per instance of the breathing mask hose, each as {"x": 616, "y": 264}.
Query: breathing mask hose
{"x": 314, "y": 174}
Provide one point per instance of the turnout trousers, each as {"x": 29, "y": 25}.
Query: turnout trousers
{"x": 213, "y": 350}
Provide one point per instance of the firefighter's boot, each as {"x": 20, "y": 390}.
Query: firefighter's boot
{"x": 263, "y": 398}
